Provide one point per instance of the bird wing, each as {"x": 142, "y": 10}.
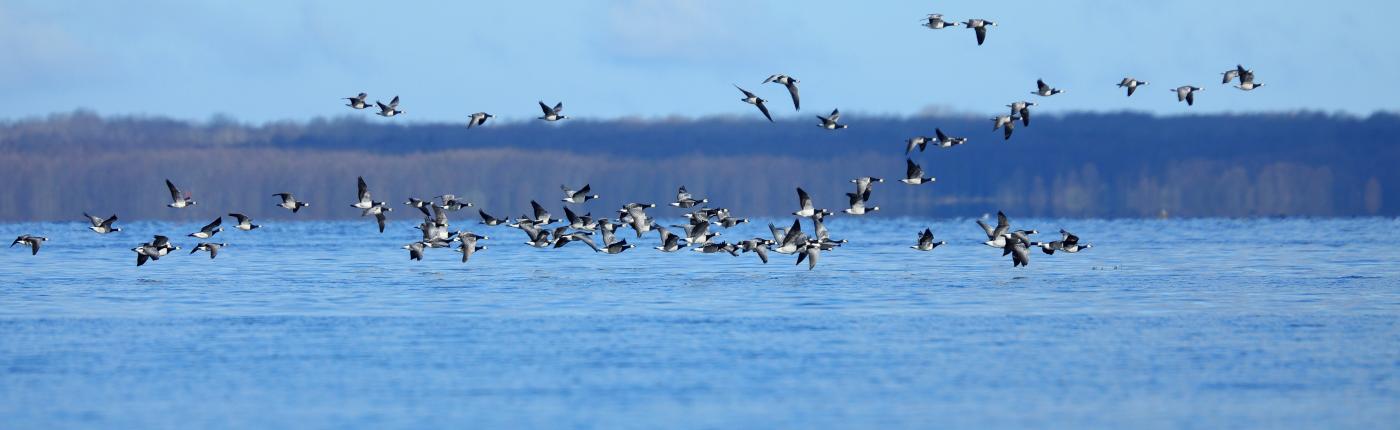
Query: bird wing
{"x": 803, "y": 199}
{"x": 363, "y": 190}
{"x": 939, "y": 132}
{"x": 835, "y": 115}
{"x": 394, "y": 103}
{"x": 762, "y": 253}
{"x": 796, "y": 101}
{"x": 912, "y": 170}
{"x": 211, "y": 226}
{"x": 379, "y": 218}
{"x": 747, "y": 94}
{"x": 174, "y": 192}
{"x": 545, "y": 108}
{"x": 92, "y": 219}
{"x": 584, "y": 191}
{"x": 160, "y": 241}
{"x": 764, "y": 109}
{"x": 981, "y": 34}
{"x": 558, "y": 107}
{"x": 540, "y": 213}
{"x": 1002, "y": 224}
{"x": 1040, "y": 85}
{"x": 108, "y": 222}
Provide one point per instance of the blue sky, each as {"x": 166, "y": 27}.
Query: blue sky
{"x": 275, "y": 60}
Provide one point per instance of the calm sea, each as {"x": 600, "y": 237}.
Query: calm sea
{"x": 1269, "y": 323}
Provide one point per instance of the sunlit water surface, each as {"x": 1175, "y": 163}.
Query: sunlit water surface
{"x": 1288, "y": 323}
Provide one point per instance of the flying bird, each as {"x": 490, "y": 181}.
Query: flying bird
{"x": 390, "y": 109}
{"x": 935, "y": 21}
{"x": 478, "y": 118}
{"x": 980, "y": 26}
{"x": 830, "y": 122}
{"x": 209, "y": 230}
{"x": 752, "y": 99}
{"x": 914, "y": 174}
{"x": 102, "y": 226}
{"x": 358, "y": 102}
{"x": 791, "y": 85}
{"x": 1023, "y": 110}
{"x": 552, "y": 114}
{"x": 244, "y": 223}
{"x": 1131, "y": 84}
{"x": 212, "y": 248}
{"x": 1044, "y": 90}
{"x": 33, "y": 242}
{"x": 178, "y": 200}
{"x": 926, "y": 242}
{"x": 577, "y": 196}
{"x": 1187, "y": 93}
{"x": 1006, "y": 123}
{"x": 290, "y": 202}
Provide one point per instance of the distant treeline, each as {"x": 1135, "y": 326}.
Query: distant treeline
{"x": 1074, "y": 165}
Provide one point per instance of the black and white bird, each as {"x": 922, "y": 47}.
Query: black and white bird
{"x": 153, "y": 250}
{"x": 935, "y": 21}
{"x": 809, "y": 251}
{"x": 290, "y": 202}
{"x": 541, "y": 215}
{"x": 1247, "y": 80}
{"x": 791, "y": 85}
{"x": 33, "y": 242}
{"x": 415, "y": 250}
{"x": 1016, "y": 246}
{"x": 916, "y": 142}
{"x": 1006, "y": 123}
{"x": 178, "y": 200}
{"x": 451, "y": 202}
{"x": 685, "y": 200}
{"x": 857, "y": 203}
{"x": 1022, "y": 109}
{"x": 468, "y": 244}
{"x": 209, "y": 230}
{"x": 1187, "y": 93}
{"x": 926, "y": 242}
{"x": 578, "y": 196}
{"x": 617, "y": 247}
{"x": 753, "y": 99}
{"x": 670, "y": 242}
{"x": 364, "y": 200}
{"x": 758, "y": 246}
{"x": 1044, "y": 90}
{"x": 553, "y": 113}
{"x": 914, "y": 174}
{"x": 1232, "y": 74}
{"x": 945, "y": 141}
{"x": 1068, "y": 243}
{"x": 390, "y": 109}
{"x": 489, "y": 220}
{"x": 805, "y": 207}
{"x": 997, "y": 236}
{"x": 102, "y": 226}
{"x": 1131, "y": 84}
{"x": 830, "y": 122}
{"x": 380, "y": 210}
{"x": 212, "y": 248}
{"x": 358, "y": 102}
{"x": 980, "y": 26}
{"x": 478, "y": 118}
{"x": 864, "y": 183}
{"x": 244, "y": 222}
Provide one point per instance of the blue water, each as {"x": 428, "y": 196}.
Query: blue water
{"x": 1291, "y": 323}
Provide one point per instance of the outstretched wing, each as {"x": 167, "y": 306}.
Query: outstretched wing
{"x": 174, "y": 192}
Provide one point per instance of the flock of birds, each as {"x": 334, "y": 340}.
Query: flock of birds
{"x": 699, "y": 231}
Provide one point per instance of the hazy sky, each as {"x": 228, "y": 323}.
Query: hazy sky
{"x": 272, "y": 60}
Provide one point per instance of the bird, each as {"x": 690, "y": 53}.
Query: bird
{"x": 1247, "y": 80}
{"x": 997, "y": 236}
{"x": 576, "y": 222}
{"x": 561, "y": 239}
{"x": 809, "y": 251}
{"x": 935, "y": 22}
{"x": 33, "y": 242}
{"x": 1022, "y": 109}
{"x": 979, "y": 25}
{"x": 552, "y": 114}
{"x": 685, "y": 200}
{"x": 670, "y": 242}
{"x": 450, "y": 202}
{"x": 829, "y": 122}
{"x": 489, "y": 220}
{"x": 380, "y": 211}
{"x": 1044, "y": 90}
{"x": 1187, "y": 93}
{"x": 916, "y": 142}
{"x": 153, "y": 250}
{"x": 577, "y": 196}
{"x": 857, "y": 205}
{"x": 468, "y": 244}
{"x": 758, "y": 246}
{"x": 1020, "y": 255}
{"x": 244, "y": 223}
{"x": 712, "y": 248}
{"x": 638, "y": 219}
{"x": 358, "y": 102}
{"x": 926, "y": 242}
{"x": 864, "y": 183}
{"x": 209, "y": 230}
{"x": 213, "y": 248}
{"x": 617, "y": 247}
{"x": 102, "y": 226}
{"x": 1131, "y": 84}
{"x": 944, "y": 141}
{"x": 541, "y": 215}
{"x": 752, "y": 99}
{"x": 290, "y": 202}
{"x": 804, "y": 201}
{"x": 791, "y": 85}
{"x": 415, "y": 250}
{"x": 789, "y": 241}
{"x": 421, "y": 204}
{"x": 1231, "y": 74}
{"x": 478, "y": 118}
{"x": 914, "y": 174}
{"x": 364, "y": 202}
{"x": 178, "y": 200}
{"x": 390, "y": 109}
{"x": 1067, "y": 243}
{"x": 1005, "y": 122}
